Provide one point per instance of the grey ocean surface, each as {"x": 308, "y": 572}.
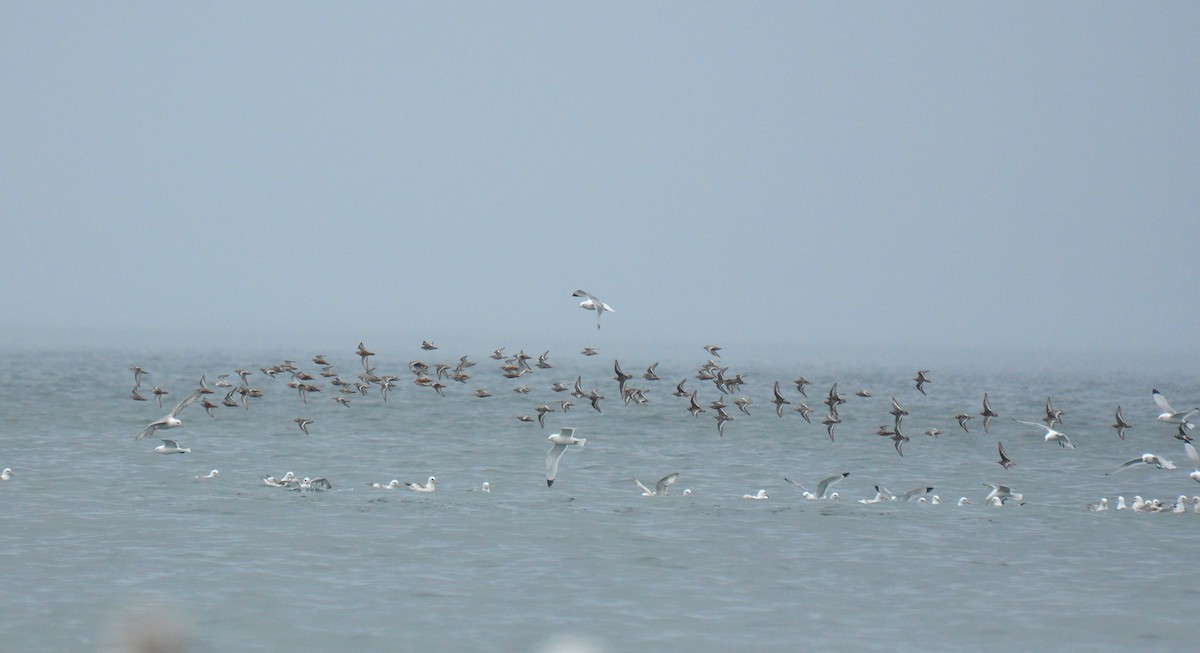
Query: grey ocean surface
{"x": 95, "y": 524}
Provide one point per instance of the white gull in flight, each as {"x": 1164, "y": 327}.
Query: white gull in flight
{"x": 592, "y": 303}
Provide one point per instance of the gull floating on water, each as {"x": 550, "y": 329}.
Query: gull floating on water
{"x": 1170, "y": 415}
{"x": 429, "y": 485}
{"x": 593, "y": 303}
{"x": 394, "y": 484}
{"x": 1101, "y": 507}
{"x": 212, "y": 474}
{"x": 963, "y": 501}
{"x": 286, "y": 480}
{"x": 562, "y": 440}
{"x": 6, "y": 475}
{"x": 314, "y": 484}
{"x": 660, "y": 488}
{"x": 170, "y": 446}
{"x": 762, "y": 494}
{"x": 821, "y": 488}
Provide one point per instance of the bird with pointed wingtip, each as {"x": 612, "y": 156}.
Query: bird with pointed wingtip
{"x": 800, "y": 383}
{"x": 170, "y": 446}
{"x": 987, "y": 413}
{"x": 962, "y": 420}
{"x": 593, "y": 303}
{"x": 541, "y": 414}
{"x": 363, "y": 354}
{"x": 694, "y": 406}
{"x": 1182, "y": 435}
{"x": 660, "y": 488}
{"x": 834, "y": 398}
{"x": 621, "y": 376}
{"x": 1170, "y": 415}
{"x": 821, "y": 488}
{"x": 921, "y": 380}
{"x": 565, "y": 438}
{"x": 1053, "y": 415}
{"x": 1195, "y": 458}
{"x": 830, "y": 421}
{"x": 1002, "y": 493}
{"x": 805, "y": 412}
{"x": 650, "y": 374}
{"x": 1120, "y": 424}
{"x": 1004, "y": 461}
{"x": 779, "y": 400}
{"x": 712, "y": 350}
{"x": 1051, "y": 434}
{"x": 303, "y": 423}
{"x": 722, "y": 417}
{"x": 171, "y": 420}
{"x": 679, "y": 391}
{"x": 898, "y": 440}
{"x": 1146, "y": 459}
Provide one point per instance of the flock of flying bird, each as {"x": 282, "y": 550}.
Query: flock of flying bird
{"x": 437, "y": 377}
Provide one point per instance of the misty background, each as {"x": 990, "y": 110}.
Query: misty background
{"x": 809, "y": 176}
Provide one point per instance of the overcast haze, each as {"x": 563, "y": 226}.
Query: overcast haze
{"x": 902, "y": 175}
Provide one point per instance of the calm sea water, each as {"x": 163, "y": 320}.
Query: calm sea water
{"x": 96, "y": 529}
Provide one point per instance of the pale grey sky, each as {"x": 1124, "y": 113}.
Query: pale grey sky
{"x": 898, "y": 174}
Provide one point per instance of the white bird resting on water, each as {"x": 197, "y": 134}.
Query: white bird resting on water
{"x": 762, "y": 494}
{"x": 429, "y": 485}
{"x": 318, "y": 483}
{"x": 171, "y": 420}
{"x": 565, "y": 438}
{"x": 392, "y": 485}
{"x": 821, "y": 488}
{"x": 212, "y": 474}
{"x": 6, "y": 475}
{"x": 593, "y": 303}
{"x": 287, "y": 480}
{"x": 1170, "y": 415}
{"x": 660, "y": 488}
